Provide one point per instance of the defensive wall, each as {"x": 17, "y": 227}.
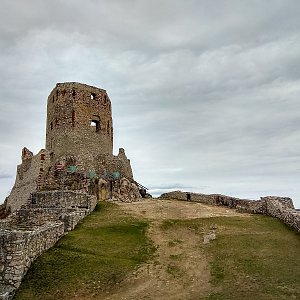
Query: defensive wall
{"x": 34, "y": 228}
{"x": 278, "y": 207}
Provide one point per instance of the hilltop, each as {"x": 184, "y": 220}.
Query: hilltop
{"x": 169, "y": 249}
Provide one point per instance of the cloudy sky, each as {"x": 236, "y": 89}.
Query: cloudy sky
{"x": 205, "y": 94}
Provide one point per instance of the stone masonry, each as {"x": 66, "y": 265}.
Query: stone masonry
{"x": 34, "y": 228}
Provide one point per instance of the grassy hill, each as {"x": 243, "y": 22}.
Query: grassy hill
{"x": 254, "y": 257}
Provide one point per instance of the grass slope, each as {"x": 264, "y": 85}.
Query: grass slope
{"x": 252, "y": 258}
{"x": 255, "y": 257}
{"x": 90, "y": 260}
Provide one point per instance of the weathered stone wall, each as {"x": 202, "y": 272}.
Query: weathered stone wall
{"x": 62, "y": 199}
{"x": 19, "y": 248}
{"x": 283, "y": 209}
{"x": 28, "y": 177}
{"x": 245, "y": 205}
{"x": 207, "y": 199}
{"x": 34, "y": 228}
{"x": 278, "y": 207}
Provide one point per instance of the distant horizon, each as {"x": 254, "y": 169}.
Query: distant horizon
{"x": 156, "y": 192}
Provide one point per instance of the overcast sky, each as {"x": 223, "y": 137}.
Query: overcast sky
{"x": 205, "y": 94}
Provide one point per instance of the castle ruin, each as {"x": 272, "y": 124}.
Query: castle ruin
{"x": 60, "y": 185}
{"x": 79, "y": 150}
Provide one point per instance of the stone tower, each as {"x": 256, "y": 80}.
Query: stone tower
{"x": 79, "y": 150}
{"x": 79, "y": 122}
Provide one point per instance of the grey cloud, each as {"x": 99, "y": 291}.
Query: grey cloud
{"x": 204, "y": 95}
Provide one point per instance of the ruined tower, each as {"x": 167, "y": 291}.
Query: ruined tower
{"x": 79, "y": 150}
{"x": 79, "y": 122}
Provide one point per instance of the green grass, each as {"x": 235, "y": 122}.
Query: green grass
{"x": 252, "y": 258}
{"x": 91, "y": 259}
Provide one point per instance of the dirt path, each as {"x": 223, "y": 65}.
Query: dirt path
{"x": 179, "y": 269}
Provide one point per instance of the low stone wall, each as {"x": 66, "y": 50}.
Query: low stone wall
{"x": 278, "y": 207}
{"x": 62, "y": 199}
{"x": 19, "y": 248}
{"x": 34, "y": 228}
{"x": 243, "y": 205}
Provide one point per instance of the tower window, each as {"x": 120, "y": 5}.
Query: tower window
{"x": 93, "y": 96}
{"x": 95, "y": 123}
{"x": 51, "y": 125}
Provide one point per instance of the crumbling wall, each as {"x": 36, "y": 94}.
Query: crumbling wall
{"x": 62, "y": 199}
{"x": 283, "y": 209}
{"x": 278, "y": 207}
{"x": 29, "y": 175}
{"x": 34, "y": 228}
{"x": 19, "y": 248}
{"x": 245, "y": 205}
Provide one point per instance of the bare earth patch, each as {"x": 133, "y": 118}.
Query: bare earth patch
{"x": 179, "y": 270}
